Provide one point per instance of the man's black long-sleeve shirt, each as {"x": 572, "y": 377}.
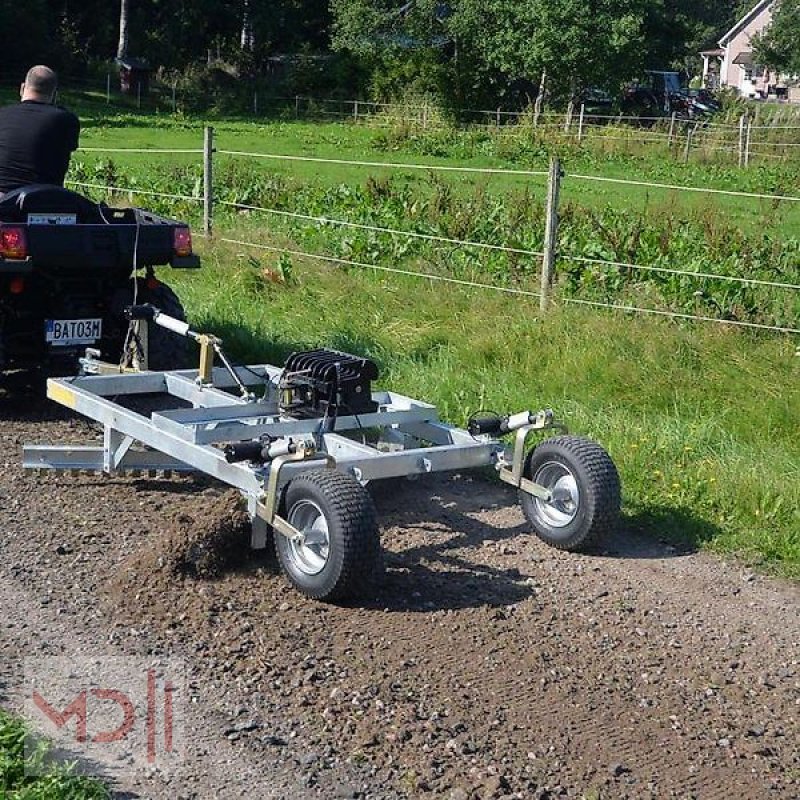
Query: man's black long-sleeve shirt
{"x": 36, "y": 141}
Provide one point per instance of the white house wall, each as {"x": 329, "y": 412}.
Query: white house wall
{"x": 733, "y": 74}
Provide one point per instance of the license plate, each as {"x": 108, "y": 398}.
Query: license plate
{"x": 52, "y": 219}
{"x": 65, "y": 332}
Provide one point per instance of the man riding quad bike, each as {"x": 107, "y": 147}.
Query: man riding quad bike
{"x": 68, "y": 269}
{"x": 69, "y": 266}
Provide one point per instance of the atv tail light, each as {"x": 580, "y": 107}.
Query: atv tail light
{"x": 182, "y": 242}
{"x": 17, "y": 286}
{"x": 13, "y": 242}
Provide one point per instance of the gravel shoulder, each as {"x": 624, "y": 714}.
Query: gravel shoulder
{"x": 485, "y": 665}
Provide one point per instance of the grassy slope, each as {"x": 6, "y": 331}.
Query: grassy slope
{"x": 701, "y": 421}
{"x": 362, "y": 143}
{"x": 110, "y": 127}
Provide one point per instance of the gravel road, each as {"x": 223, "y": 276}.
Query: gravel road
{"x": 485, "y": 666}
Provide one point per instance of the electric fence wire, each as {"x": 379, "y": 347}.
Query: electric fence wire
{"x": 516, "y": 250}
{"x": 511, "y": 290}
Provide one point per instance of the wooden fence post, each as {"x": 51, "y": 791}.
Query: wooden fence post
{"x": 690, "y": 131}
{"x": 108, "y": 88}
{"x": 747, "y": 143}
{"x": 580, "y": 122}
{"x": 255, "y": 102}
{"x": 355, "y": 110}
{"x": 138, "y": 94}
{"x": 174, "y": 97}
{"x": 297, "y": 107}
{"x": 550, "y": 233}
{"x": 208, "y": 186}
{"x": 672, "y": 121}
{"x": 742, "y": 123}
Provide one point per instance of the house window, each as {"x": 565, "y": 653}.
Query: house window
{"x": 748, "y": 73}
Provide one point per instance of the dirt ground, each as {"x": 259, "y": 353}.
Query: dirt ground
{"x": 485, "y": 666}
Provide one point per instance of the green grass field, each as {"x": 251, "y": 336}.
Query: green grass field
{"x": 702, "y": 421}
{"x": 469, "y": 149}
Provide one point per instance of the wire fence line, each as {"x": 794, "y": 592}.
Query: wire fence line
{"x": 148, "y": 150}
{"x": 682, "y": 272}
{"x": 500, "y": 171}
{"x": 132, "y": 190}
{"x": 679, "y": 315}
{"x": 387, "y": 164}
{"x": 382, "y": 268}
{"x": 682, "y": 188}
{"x": 379, "y": 229}
{"x": 506, "y": 248}
{"x": 442, "y": 239}
{"x": 509, "y": 289}
{"x": 551, "y": 250}
{"x": 443, "y": 168}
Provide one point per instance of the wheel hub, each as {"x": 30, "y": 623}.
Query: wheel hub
{"x": 310, "y": 551}
{"x": 565, "y": 497}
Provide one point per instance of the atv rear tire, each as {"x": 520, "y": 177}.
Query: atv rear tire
{"x": 166, "y": 350}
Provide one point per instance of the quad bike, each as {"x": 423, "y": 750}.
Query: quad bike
{"x": 68, "y": 269}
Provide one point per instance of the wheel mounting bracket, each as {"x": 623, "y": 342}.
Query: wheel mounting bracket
{"x": 267, "y": 505}
{"x": 512, "y": 473}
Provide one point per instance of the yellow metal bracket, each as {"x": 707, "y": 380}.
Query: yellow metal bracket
{"x": 267, "y": 506}
{"x": 205, "y": 370}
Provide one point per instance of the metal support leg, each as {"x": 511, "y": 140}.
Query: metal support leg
{"x": 115, "y": 447}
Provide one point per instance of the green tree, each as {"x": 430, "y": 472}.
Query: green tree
{"x": 778, "y": 47}
{"x": 676, "y": 30}
{"x": 576, "y": 44}
{"x": 483, "y": 47}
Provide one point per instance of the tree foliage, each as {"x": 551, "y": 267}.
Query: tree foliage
{"x": 492, "y": 48}
{"x": 70, "y": 34}
{"x": 778, "y": 47}
{"x": 576, "y": 43}
{"x": 467, "y": 51}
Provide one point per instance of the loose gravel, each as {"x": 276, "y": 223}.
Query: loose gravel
{"x": 484, "y": 666}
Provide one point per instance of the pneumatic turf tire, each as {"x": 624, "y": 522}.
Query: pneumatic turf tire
{"x": 586, "y": 492}
{"x": 340, "y": 553}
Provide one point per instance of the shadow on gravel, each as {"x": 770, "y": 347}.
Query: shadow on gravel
{"x": 660, "y": 532}
{"x": 23, "y": 398}
{"x": 438, "y": 574}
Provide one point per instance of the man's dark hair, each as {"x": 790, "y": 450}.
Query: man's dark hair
{"x": 41, "y": 80}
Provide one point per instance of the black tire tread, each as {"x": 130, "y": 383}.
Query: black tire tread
{"x": 361, "y": 545}
{"x": 166, "y": 350}
{"x": 603, "y": 490}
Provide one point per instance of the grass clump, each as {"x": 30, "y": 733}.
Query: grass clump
{"x": 28, "y": 775}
